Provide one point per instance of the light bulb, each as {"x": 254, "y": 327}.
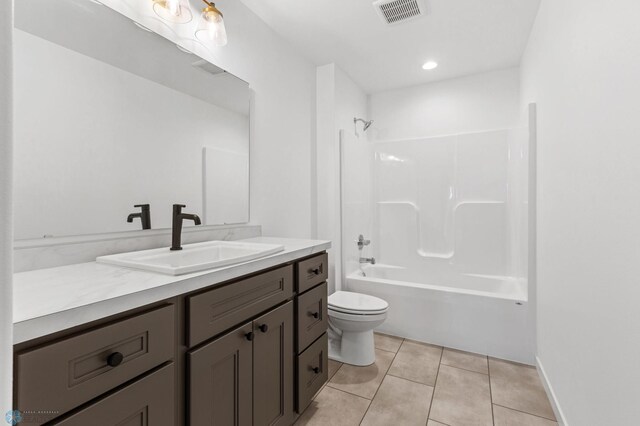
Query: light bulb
{"x": 173, "y": 6}
{"x": 212, "y": 29}
{"x": 216, "y": 31}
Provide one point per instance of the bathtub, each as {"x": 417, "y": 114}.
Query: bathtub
{"x": 481, "y": 314}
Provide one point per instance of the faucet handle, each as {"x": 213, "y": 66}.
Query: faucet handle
{"x": 142, "y": 206}
{"x": 177, "y": 208}
{"x": 362, "y": 242}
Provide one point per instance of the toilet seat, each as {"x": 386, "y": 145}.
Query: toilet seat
{"x": 347, "y": 302}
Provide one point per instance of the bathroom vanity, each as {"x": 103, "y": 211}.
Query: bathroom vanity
{"x": 240, "y": 345}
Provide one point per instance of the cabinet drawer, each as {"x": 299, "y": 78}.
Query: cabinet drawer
{"x": 149, "y": 401}
{"x": 220, "y": 309}
{"x": 312, "y": 316}
{"x": 312, "y": 272}
{"x": 65, "y": 374}
{"x": 313, "y": 366}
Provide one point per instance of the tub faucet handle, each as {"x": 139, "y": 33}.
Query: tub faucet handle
{"x": 362, "y": 242}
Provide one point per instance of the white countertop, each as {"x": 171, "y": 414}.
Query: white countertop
{"x": 46, "y": 301}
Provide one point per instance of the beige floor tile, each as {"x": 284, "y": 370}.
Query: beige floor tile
{"x": 519, "y": 387}
{"x": 507, "y": 417}
{"x": 333, "y": 367}
{"x": 387, "y": 342}
{"x": 363, "y": 381}
{"x": 417, "y": 361}
{"x": 466, "y": 360}
{"x": 334, "y": 407}
{"x": 461, "y": 398}
{"x": 434, "y": 423}
{"x": 400, "y": 402}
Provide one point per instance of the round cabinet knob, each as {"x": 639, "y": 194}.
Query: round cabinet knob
{"x": 316, "y": 315}
{"x": 316, "y": 271}
{"x": 316, "y": 370}
{"x": 115, "y": 359}
{"x": 264, "y": 328}
{"x": 249, "y": 336}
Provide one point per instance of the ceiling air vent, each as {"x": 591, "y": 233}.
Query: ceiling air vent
{"x": 396, "y": 11}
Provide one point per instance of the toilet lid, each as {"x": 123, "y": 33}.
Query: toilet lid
{"x": 347, "y": 301}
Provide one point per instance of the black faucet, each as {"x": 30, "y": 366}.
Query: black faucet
{"x": 144, "y": 215}
{"x": 178, "y": 217}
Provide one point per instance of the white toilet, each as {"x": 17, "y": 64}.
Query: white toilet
{"x": 352, "y": 318}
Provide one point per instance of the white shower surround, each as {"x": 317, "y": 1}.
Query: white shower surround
{"x": 448, "y": 221}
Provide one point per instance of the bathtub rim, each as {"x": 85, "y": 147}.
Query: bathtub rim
{"x": 520, "y": 296}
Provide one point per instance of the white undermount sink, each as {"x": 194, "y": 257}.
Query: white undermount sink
{"x": 193, "y": 257}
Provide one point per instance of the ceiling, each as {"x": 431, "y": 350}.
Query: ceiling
{"x": 463, "y": 36}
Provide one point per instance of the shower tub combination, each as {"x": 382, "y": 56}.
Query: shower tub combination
{"x": 478, "y": 314}
{"x": 447, "y": 219}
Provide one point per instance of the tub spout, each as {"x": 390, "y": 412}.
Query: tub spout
{"x": 371, "y": 260}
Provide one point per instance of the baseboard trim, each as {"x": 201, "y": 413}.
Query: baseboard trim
{"x": 562, "y": 421}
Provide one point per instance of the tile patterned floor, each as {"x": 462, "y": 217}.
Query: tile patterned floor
{"x": 415, "y": 383}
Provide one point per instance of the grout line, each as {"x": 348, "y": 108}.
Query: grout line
{"x": 384, "y": 350}
{"x": 434, "y": 385}
{"x": 493, "y": 417}
{"x": 524, "y": 412}
{"x": 380, "y": 385}
{"x": 409, "y": 380}
{"x": 466, "y": 369}
{"x": 334, "y": 373}
{"x": 439, "y": 422}
{"x": 350, "y": 393}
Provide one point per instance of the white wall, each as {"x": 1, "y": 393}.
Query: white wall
{"x": 6, "y": 228}
{"x": 581, "y": 66}
{"x": 283, "y": 111}
{"x": 153, "y": 135}
{"x": 339, "y": 100}
{"x": 475, "y": 103}
{"x": 283, "y": 118}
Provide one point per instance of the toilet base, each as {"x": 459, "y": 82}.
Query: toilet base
{"x": 354, "y": 348}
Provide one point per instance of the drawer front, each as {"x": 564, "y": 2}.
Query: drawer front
{"x": 219, "y": 309}
{"x": 148, "y": 402}
{"x": 313, "y": 372}
{"x": 312, "y": 316}
{"x": 312, "y": 272}
{"x": 65, "y": 374}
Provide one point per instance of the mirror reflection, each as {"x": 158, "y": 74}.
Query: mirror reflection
{"x": 123, "y": 124}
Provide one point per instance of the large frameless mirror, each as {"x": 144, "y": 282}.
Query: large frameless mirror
{"x": 109, "y": 116}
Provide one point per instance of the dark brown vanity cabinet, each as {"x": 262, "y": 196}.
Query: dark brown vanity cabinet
{"x": 55, "y": 378}
{"x": 221, "y": 380}
{"x": 249, "y": 374}
{"x": 249, "y": 351}
{"x": 148, "y": 401}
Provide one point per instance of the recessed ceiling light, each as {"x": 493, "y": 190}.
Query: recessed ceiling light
{"x": 429, "y": 65}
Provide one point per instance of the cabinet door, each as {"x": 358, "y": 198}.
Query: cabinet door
{"x": 220, "y": 380}
{"x": 273, "y": 367}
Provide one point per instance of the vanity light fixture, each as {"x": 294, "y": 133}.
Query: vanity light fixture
{"x": 173, "y": 11}
{"x": 430, "y": 65}
{"x": 211, "y": 28}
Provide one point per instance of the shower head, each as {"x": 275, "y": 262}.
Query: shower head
{"x": 367, "y": 124}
